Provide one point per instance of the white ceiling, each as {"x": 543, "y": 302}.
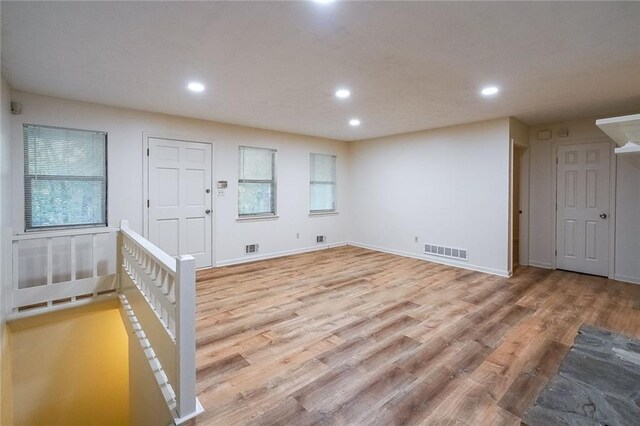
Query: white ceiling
{"x": 275, "y": 65}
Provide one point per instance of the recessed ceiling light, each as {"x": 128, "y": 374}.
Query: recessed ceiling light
{"x": 490, "y": 90}
{"x": 196, "y": 87}
{"x": 354, "y": 122}
{"x": 343, "y": 93}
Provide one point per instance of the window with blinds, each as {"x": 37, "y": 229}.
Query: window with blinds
{"x": 322, "y": 197}
{"x": 256, "y": 182}
{"x": 65, "y": 177}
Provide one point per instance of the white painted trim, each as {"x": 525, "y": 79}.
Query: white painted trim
{"x": 254, "y": 258}
{"x": 434, "y": 259}
{"x": 257, "y": 218}
{"x": 145, "y": 182}
{"x": 61, "y": 306}
{"x": 94, "y": 230}
{"x": 626, "y": 279}
{"x": 323, "y": 214}
{"x": 538, "y": 264}
{"x": 133, "y": 327}
{"x": 64, "y": 290}
{"x": 185, "y": 294}
{"x": 181, "y": 420}
{"x": 523, "y": 237}
{"x": 525, "y": 195}
{"x": 510, "y": 208}
{"x": 612, "y": 196}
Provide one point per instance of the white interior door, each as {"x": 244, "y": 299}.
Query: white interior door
{"x": 180, "y": 216}
{"x": 582, "y": 187}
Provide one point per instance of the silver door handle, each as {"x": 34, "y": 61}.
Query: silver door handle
{"x": 207, "y": 211}
{"x": 603, "y": 215}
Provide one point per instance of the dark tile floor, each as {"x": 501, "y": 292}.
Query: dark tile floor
{"x": 598, "y": 383}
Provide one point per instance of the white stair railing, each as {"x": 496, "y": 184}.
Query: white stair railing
{"x": 158, "y": 295}
{"x": 57, "y": 286}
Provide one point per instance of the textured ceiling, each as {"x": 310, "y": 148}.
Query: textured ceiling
{"x": 275, "y": 65}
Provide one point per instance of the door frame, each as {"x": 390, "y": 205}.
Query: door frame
{"x": 525, "y": 171}
{"x": 145, "y": 182}
{"x": 612, "y": 197}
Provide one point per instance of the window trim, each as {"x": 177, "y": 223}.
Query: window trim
{"x": 274, "y": 186}
{"x": 321, "y": 212}
{"x": 28, "y": 177}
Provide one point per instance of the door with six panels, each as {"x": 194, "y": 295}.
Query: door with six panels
{"x": 180, "y": 198}
{"x": 582, "y": 227}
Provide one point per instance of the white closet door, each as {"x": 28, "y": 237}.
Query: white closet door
{"x": 583, "y": 208}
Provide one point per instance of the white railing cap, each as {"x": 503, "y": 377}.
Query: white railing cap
{"x": 38, "y": 235}
{"x": 154, "y": 251}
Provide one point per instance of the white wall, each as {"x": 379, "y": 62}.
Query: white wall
{"x": 627, "y": 232}
{"x": 125, "y": 128}
{"x": 5, "y": 250}
{"x": 446, "y": 186}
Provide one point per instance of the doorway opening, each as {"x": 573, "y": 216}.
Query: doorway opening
{"x": 518, "y": 154}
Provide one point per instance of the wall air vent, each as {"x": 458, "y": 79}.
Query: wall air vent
{"x": 450, "y": 252}
{"x": 250, "y": 249}
{"x": 321, "y": 239}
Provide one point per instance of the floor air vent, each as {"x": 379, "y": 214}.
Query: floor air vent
{"x": 450, "y": 252}
{"x": 321, "y": 239}
{"x": 250, "y": 248}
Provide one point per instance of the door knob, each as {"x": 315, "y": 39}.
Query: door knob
{"x": 207, "y": 211}
{"x": 603, "y": 215}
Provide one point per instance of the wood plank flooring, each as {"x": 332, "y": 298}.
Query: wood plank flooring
{"x": 352, "y": 336}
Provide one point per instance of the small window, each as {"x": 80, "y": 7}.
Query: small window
{"x": 322, "y": 183}
{"x": 256, "y": 182}
{"x": 65, "y": 177}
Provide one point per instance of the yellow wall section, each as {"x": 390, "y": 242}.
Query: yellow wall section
{"x": 6, "y": 397}
{"x": 71, "y": 367}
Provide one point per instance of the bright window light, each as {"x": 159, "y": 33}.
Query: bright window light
{"x": 196, "y": 87}
{"x": 489, "y": 91}
{"x": 354, "y": 122}
{"x": 343, "y": 93}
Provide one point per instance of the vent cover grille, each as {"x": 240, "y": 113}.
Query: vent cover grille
{"x": 321, "y": 239}
{"x": 250, "y": 248}
{"x": 450, "y": 252}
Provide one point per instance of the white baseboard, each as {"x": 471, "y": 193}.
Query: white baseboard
{"x": 537, "y": 264}
{"x": 626, "y": 279}
{"x": 253, "y": 258}
{"x": 434, "y": 259}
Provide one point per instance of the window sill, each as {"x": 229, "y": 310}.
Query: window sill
{"x": 318, "y": 214}
{"x": 257, "y": 218}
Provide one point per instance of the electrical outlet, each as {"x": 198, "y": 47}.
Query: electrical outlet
{"x": 298, "y": 235}
{"x": 415, "y": 239}
{"x": 220, "y": 192}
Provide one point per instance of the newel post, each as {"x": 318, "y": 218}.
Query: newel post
{"x": 124, "y": 224}
{"x": 185, "y": 291}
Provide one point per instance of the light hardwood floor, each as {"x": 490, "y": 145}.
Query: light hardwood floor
{"x": 352, "y": 336}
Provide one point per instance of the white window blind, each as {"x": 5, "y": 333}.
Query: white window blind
{"x": 256, "y": 182}
{"x": 323, "y": 183}
{"x": 65, "y": 177}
